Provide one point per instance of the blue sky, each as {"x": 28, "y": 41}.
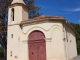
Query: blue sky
{"x": 70, "y": 9}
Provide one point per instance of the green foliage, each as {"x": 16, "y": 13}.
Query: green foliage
{"x": 33, "y": 10}
{"x": 78, "y": 49}
{"x": 77, "y": 27}
{"x": 1, "y": 50}
{"x": 1, "y": 53}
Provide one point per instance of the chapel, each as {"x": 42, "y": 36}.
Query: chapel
{"x": 40, "y": 38}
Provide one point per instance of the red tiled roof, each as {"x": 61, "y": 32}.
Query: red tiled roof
{"x": 44, "y": 16}
{"x": 41, "y": 18}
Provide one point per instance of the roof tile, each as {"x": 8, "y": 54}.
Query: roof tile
{"x": 42, "y": 17}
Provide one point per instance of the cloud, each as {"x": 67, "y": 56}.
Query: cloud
{"x": 76, "y": 9}
{"x": 72, "y": 10}
{"x": 78, "y": 21}
{"x": 63, "y": 13}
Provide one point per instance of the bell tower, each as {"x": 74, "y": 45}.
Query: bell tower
{"x": 18, "y": 11}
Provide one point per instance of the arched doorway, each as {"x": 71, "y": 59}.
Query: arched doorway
{"x": 37, "y": 46}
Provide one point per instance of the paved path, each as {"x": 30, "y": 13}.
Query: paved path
{"x": 77, "y": 58}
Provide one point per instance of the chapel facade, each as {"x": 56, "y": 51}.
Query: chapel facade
{"x": 39, "y": 38}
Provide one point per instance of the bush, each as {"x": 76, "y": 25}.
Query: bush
{"x": 1, "y": 55}
{"x": 78, "y": 50}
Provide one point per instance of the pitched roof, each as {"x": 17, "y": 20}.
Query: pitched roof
{"x": 43, "y": 17}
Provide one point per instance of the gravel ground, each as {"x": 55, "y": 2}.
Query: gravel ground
{"x": 77, "y": 58}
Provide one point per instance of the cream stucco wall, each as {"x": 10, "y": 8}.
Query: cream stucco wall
{"x": 52, "y": 30}
{"x": 56, "y": 47}
{"x": 14, "y": 44}
{"x": 20, "y": 14}
{"x": 60, "y": 39}
{"x": 70, "y": 43}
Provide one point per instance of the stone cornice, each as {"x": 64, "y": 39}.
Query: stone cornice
{"x": 13, "y": 24}
{"x": 46, "y": 39}
{"x": 33, "y": 23}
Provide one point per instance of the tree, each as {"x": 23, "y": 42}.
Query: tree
{"x": 1, "y": 53}
{"x": 33, "y": 12}
{"x": 3, "y": 35}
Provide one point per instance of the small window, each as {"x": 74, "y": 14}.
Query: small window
{"x": 12, "y": 14}
{"x": 11, "y": 53}
{"x": 67, "y": 40}
{"x": 12, "y": 35}
{"x": 67, "y": 36}
{"x": 70, "y": 41}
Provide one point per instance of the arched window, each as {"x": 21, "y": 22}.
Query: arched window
{"x": 12, "y": 14}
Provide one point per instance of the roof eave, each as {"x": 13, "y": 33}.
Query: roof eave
{"x": 50, "y": 19}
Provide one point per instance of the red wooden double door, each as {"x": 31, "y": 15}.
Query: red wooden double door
{"x": 37, "y": 46}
